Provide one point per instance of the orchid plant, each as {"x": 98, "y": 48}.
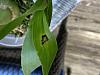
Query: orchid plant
{"x": 39, "y": 47}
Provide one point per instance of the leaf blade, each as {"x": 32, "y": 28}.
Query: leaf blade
{"x": 29, "y": 58}
{"x": 6, "y": 28}
{"x": 48, "y": 50}
{"x": 48, "y": 11}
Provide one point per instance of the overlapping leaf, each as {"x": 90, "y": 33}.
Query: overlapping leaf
{"x": 29, "y": 58}
{"x": 43, "y": 40}
{"x": 48, "y": 11}
{"x": 6, "y": 28}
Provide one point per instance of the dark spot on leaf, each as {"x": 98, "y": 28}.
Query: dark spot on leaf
{"x": 44, "y": 39}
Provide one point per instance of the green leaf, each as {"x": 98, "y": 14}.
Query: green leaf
{"x": 6, "y": 28}
{"x": 29, "y": 58}
{"x": 48, "y": 11}
{"x": 43, "y": 41}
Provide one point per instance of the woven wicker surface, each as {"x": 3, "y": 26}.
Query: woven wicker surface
{"x": 15, "y": 70}
{"x": 10, "y": 55}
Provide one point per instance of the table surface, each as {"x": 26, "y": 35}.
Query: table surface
{"x": 83, "y": 46}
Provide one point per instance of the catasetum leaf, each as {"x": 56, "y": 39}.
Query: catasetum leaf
{"x": 48, "y": 11}
{"x": 29, "y": 58}
{"x": 43, "y": 40}
{"x": 6, "y": 28}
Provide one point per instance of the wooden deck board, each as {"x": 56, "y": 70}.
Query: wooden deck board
{"x": 83, "y": 46}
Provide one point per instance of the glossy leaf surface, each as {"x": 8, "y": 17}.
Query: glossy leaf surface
{"x": 43, "y": 40}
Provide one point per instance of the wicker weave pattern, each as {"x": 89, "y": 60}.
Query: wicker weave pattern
{"x": 15, "y": 70}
